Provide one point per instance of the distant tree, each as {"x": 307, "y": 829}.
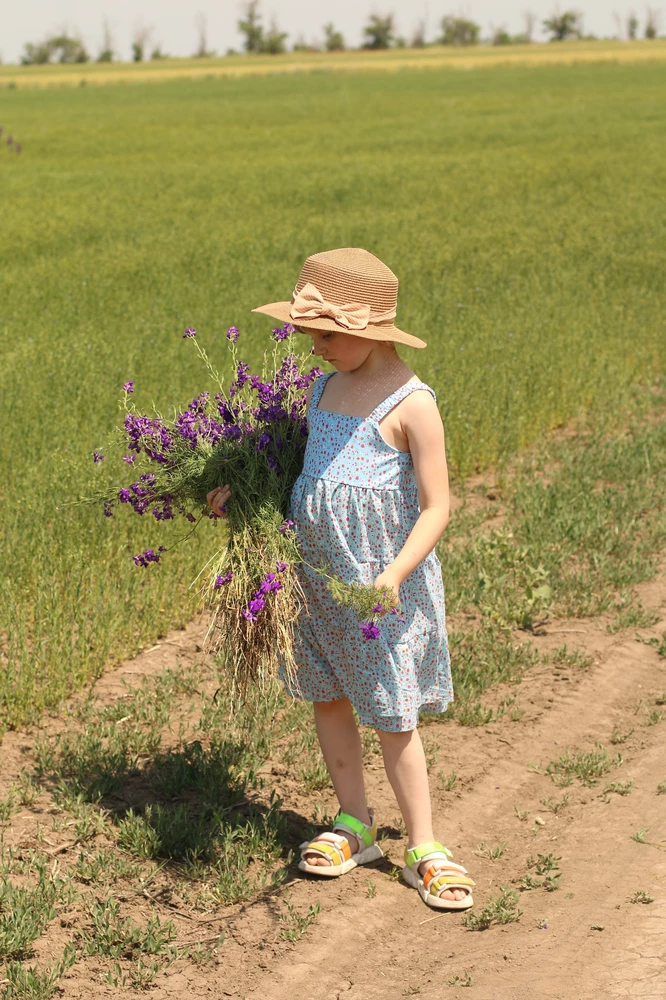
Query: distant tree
{"x": 38, "y": 54}
{"x": 459, "y": 31}
{"x": 333, "y": 40}
{"x": 419, "y": 36}
{"x": 501, "y": 36}
{"x": 157, "y": 53}
{"x": 68, "y": 49}
{"x": 106, "y": 52}
{"x": 274, "y": 40}
{"x": 563, "y": 26}
{"x": 632, "y": 27}
{"x": 652, "y": 23}
{"x": 251, "y": 27}
{"x": 379, "y": 32}
{"x": 141, "y": 38}
{"x": 203, "y": 52}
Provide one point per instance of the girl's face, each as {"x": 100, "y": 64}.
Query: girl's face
{"x": 344, "y": 352}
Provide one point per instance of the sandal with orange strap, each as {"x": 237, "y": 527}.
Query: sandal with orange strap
{"x": 441, "y": 875}
{"x": 335, "y": 847}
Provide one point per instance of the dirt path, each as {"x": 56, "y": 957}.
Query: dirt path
{"x": 375, "y": 948}
{"x": 375, "y": 940}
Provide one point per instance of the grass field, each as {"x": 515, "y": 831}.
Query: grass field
{"x": 521, "y": 208}
{"x": 390, "y": 60}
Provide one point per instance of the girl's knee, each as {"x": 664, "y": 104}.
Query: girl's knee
{"x": 387, "y": 737}
{"x": 333, "y": 707}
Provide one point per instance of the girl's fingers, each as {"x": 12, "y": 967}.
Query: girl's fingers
{"x": 217, "y": 498}
{"x": 218, "y": 489}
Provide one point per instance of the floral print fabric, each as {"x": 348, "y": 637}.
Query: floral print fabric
{"x": 353, "y": 507}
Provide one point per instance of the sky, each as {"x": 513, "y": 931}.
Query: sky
{"x": 173, "y": 23}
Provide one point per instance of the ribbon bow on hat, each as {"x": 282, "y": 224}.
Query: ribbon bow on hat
{"x": 309, "y": 303}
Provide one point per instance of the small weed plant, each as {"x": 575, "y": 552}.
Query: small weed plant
{"x": 295, "y": 925}
{"x": 464, "y": 980}
{"x": 641, "y": 897}
{"x": 619, "y": 788}
{"x": 500, "y": 910}
{"x": 491, "y": 853}
{"x": 587, "y": 766}
{"x": 30, "y": 983}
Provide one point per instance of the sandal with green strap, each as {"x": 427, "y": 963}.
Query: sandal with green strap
{"x": 441, "y": 875}
{"x": 336, "y": 847}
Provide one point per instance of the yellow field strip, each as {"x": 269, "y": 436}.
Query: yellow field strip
{"x": 391, "y": 61}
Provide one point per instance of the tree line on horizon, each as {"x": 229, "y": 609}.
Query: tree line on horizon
{"x": 378, "y": 33}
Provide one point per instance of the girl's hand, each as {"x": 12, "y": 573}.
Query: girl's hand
{"x": 217, "y": 498}
{"x": 388, "y": 581}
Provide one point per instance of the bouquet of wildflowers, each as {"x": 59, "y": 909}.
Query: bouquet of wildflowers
{"x": 252, "y": 435}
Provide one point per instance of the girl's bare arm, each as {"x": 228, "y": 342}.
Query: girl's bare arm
{"x": 422, "y": 425}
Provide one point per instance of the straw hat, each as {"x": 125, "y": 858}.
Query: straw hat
{"x": 347, "y": 290}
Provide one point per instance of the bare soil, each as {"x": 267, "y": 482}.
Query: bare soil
{"x": 374, "y": 939}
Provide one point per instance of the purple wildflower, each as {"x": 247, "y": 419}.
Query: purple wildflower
{"x": 378, "y": 608}
{"x": 269, "y": 584}
{"x": 124, "y": 496}
{"x": 130, "y": 459}
{"x": 10, "y": 140}
{"x": 145, "y": 557}
{"x": 98, "y": 457}
{"x": 220, "y": 580}
{"x": 287, "y": 525}
{"x": 272, "y": 463}
{"x": 233, "y": 334}
{"x": 241, "y": 378}
{"x": 282, "y": 332}
{"x": 257, "y": 604}
{"x": 18, "y": 147}
{"x": 148, "y": 435}
{"x": 128, "y": 386}
{"x": 108, "y": 508}
{"x": 190, "y": 332}
{"x": 263, "y": 442}
{"x": 370, "y": 630}
{"x": 281, "y": 567}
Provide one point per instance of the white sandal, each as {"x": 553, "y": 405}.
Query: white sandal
{"x": 337, "y": 850}
{"x": 441, "y": 875}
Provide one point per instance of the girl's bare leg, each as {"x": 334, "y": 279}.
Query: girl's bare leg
{"x": 407, "y": 771}
{"x": 340, "y": 744}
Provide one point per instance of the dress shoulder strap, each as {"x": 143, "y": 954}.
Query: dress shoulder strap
{"x": 396, "y": 397}
{"x": 318, "y": 389}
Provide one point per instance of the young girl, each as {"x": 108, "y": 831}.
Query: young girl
{"x": 371, "y": 503}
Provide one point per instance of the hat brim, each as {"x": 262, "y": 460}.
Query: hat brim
{"x": 282, "y": 311}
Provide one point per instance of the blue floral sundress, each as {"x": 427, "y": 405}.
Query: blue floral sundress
{"x": 353, "y": 507}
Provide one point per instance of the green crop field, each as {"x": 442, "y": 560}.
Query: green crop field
{"x": 522, "y": 210}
